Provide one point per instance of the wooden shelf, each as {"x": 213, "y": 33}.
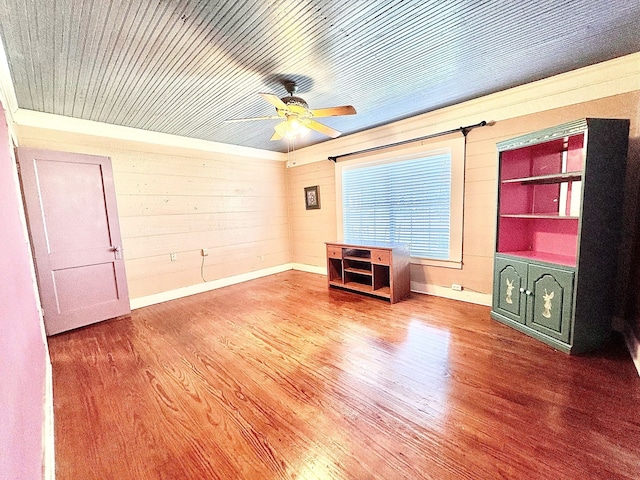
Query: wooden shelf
{"x": 546, "y": 216}
{"x": 361, "y": 287}
{"x": 544, "y": 179}
{"x": 385, "y": 291}
{"x": 359, "y": 271}
{"x": 352, "y": 267}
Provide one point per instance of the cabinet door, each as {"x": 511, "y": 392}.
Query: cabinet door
{"x": 550, "y": 301}
{"x": 510, "y": 281}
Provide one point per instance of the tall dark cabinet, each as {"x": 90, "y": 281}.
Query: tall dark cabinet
{"x": 560, "y": 199}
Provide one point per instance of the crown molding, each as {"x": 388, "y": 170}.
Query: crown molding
{"x": 51, "y": 122}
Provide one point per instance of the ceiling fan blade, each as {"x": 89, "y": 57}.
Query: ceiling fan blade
{"x": 276, "y": 136}
{"x": 319, "y": 127}
{"x": 274, "y": 100}
{"x": 280, "y": 130}
{"x": 334, "y": 111}
{"x": 271, "y": 117}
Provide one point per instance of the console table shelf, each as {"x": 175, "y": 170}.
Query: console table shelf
{"x": 378, "y": 270}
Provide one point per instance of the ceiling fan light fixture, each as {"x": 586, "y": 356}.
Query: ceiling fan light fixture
{"x": 295, "y": 128}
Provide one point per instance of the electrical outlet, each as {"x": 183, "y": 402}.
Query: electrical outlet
{"x": 456, "y": 286}
{"x": 174, "y": 256}
{"x": 204, "y": 252}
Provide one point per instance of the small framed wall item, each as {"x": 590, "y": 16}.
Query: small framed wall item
{"x": 312, "y": 197}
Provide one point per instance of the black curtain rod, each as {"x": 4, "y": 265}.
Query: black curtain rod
{"x": 464, "y": 130}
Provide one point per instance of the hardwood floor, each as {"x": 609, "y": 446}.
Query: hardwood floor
{"x": 281, "y": 378}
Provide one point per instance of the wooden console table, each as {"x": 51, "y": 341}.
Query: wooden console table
{"x": 381, "y": 270}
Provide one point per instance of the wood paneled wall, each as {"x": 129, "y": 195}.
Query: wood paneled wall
{"x": 311, "y": 228}
{"x": 181, "y": 201}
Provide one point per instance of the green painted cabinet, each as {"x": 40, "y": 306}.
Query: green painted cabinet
{"x": 537, "y": 297}
{"x": 549, "y": 301}
{"x": 560, "y": 199}
{"x": 510, "y": 284}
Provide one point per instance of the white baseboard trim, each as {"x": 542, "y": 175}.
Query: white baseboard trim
{"x": 633, "y": 344}
{"x": 141, "y": 302}
{"x": 436, "y": 290}
{"x": 463, "y": 296}
{"x": 48, "y": 431}
{"x": 310, "y": 268}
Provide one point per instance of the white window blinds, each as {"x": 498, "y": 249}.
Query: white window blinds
{"x": 405, "y": 201}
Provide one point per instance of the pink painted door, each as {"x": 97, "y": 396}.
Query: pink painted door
{"x": 73, "y": 223}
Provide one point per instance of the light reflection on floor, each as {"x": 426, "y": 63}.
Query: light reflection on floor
{"x": 316, "y": 465}
{"x": 405, "y": 374}
{"x": 427, "y": 348}
{"x": 412, "y": 371}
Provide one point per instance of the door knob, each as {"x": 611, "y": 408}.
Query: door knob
{"x": 115, "y": 248}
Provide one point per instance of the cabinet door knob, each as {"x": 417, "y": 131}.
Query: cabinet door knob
{"x": 528, "y": 292}
{"x": 521, "y": 289}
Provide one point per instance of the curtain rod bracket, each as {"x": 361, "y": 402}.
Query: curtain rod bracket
{"x": 465, "y": 130}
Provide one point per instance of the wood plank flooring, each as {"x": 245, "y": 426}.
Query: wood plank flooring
{"x": 281, "y": 378}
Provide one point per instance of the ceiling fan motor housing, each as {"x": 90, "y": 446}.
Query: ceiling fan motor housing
{"x": 295, "y": 101}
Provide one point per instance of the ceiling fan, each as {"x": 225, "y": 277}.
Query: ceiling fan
{"x": 297, "y": 116}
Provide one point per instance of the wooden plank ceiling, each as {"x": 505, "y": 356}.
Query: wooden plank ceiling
{"x": 184, "y": 66}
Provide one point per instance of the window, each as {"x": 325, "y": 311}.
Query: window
{"x": 414, "y": 198}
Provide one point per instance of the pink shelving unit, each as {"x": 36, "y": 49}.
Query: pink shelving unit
{"x": 540, "y": 200}
{"x": 560, "y": 203}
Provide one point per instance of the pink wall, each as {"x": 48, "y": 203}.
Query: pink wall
{"x": 22, "y": 350}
